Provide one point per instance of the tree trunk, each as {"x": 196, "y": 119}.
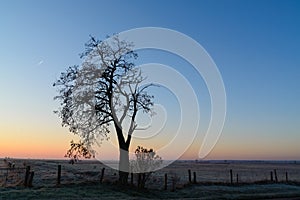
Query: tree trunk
{"x": 124, "y": 155}
{"x": 124, "y": 165}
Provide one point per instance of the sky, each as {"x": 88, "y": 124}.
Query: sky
{"x": 254, "y": 44}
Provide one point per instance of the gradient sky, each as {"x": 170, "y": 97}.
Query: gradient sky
{"x": 255, "y": 44}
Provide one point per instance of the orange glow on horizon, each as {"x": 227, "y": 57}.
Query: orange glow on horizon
{"x": 53, "y": 144}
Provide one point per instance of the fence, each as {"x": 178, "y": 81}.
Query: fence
{"x": 11, "y": 176}
{"x": 229, "y": 173}
{"x": 178, "y": 174}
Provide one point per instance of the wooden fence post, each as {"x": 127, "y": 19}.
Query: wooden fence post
{"x": 139, "y": 180}
{"x": 30, "y": 179}
{"x": 237, "y": 178}
{"x": 58, "y": 175}
{"x": 131, "y": 178}
{"x": 190, "y": 176}
{"x": 173, "y": 184}
{"x": 166, "y": 181}
{"x": 231, "y": 177}
{"x": 286, "y": 177}
{"x": 271, "y": 173}
{"x": 26, "y": 176}
{"x": 195, "y": 178}
{"x": 143, "y": 180}
{"x": 275, "y": 174}
{"x": 102, "y": 174}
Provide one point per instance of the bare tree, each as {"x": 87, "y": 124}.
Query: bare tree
{"x": 105, "y": 90}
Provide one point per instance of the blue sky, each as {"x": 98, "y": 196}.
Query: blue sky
{"x": 255, "y": 45}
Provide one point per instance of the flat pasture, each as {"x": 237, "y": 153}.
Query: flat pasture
{"x": 213, "y": 181}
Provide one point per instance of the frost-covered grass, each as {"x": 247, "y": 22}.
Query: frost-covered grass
{"x": 110, "y": 191}
{"x": 82, "y": 181}
{"x": 207, "y": 171}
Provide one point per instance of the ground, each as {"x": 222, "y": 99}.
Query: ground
{"x": 111, "y": 191}
{"x": 82, "y": 181}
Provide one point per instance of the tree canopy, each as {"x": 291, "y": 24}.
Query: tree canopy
{"x": 104, "y": 90}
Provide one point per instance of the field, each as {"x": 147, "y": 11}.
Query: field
{"x": 82, "y": 181}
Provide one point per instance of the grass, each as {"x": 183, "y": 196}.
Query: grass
{"x": 81, "y": 181}
{"x": 112, "y": 191}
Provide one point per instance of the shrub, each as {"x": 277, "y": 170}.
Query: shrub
{"x": 146, "y": 162}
